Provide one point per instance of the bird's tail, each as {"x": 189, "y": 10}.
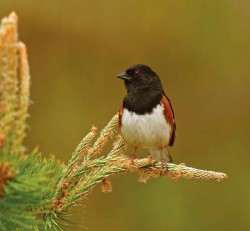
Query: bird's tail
{"x": 161, "y": 154}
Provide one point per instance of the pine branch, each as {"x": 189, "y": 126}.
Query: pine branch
{"x": 91, "y": 171}
{"x": 37, "y": 193}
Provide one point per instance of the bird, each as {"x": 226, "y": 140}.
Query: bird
{"x": 146, "y": 116}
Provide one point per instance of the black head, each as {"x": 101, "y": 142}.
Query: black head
{"x": 140, "y": 77}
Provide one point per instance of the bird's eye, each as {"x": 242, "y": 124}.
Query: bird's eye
{"x": 136, "y": 73}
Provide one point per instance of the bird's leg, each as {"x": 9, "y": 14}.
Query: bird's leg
{"x": 162, "y": 159}
{"x": 133, "y": 156}
{"x": 168, "y": 157}
{"x": 165, "y": 157}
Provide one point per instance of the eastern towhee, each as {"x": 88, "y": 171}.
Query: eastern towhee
{"x": 146, "y": 117}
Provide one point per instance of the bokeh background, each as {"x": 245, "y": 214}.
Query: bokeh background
{"x": 201, "y": 50}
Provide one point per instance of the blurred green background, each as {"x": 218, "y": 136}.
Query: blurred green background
{"x": 201, "y": 50}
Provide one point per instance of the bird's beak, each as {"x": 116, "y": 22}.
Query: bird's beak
{"x": 123, "y": 76}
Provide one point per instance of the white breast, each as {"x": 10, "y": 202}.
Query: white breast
{"x": 146, "y": 131}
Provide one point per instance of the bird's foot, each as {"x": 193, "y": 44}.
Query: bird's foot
{"x": 163, "y": 165}
{"x": 150, "y": 159}
{"x": 132, "y": 158}
{"x": 164, "y": 161}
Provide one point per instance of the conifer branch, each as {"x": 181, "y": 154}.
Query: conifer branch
{"x": 37, "y": 193}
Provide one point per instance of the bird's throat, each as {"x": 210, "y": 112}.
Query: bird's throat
{"x": 142, "y": 102}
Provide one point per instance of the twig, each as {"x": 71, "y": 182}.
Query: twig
{"x": 85, "y": 175}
